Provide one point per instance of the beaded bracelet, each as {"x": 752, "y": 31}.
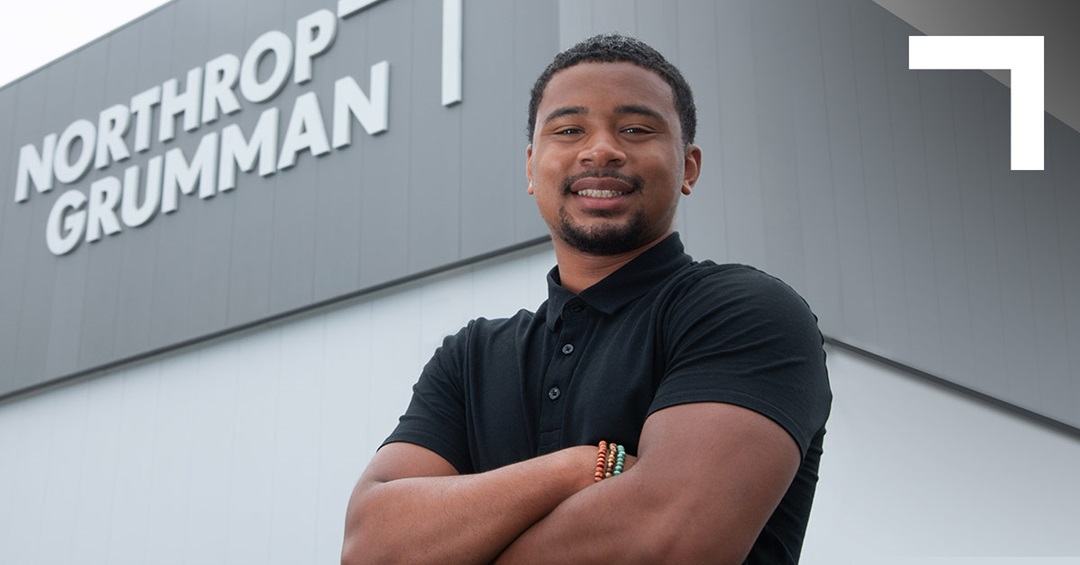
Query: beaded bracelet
{"x": 610, "y": 459}
{"x": 601, "y": 461}
{"x": 619, "y": 460}
{"x": 610, "y": 463}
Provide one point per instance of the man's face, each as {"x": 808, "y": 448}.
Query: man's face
{"x": 607, "y": 161}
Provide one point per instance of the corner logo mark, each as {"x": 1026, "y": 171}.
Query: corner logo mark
{"x": 1022, "y": 56}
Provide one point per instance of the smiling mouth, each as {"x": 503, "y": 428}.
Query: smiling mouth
{"x": 597, "y": 193}
{"x": 601, "y": 184}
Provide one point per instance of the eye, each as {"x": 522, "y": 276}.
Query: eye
{"x": 636, "y": 130}
{"x": 568, "y": 130}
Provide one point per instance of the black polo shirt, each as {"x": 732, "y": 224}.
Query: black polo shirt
{"x": 662, "y": 330}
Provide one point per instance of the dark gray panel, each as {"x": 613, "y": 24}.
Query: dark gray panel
{"x": 1010, "y": 236}
{"x": 141, "y": 248}
{"x": 704, "y": 208}
{"x": 879, "y": 178}
{"x": 575, "y": 22}
{"x": 492, "y": 118}
{"x": 212, "y": 28}
{"x": 293, "y": 222}
{"x": 657, "y": 23}
{"x": 15, "y": 229}
{"x": 171, "y": 310}
{"x": 773, "y": 62}
{"x": 386, "y": 178}
{"x": 435, "y": 138}
{"x": 813, "y": 173}
{"x": 742, "y": 206}
{"x": 252, "y": 250}
{"x": 1044, "y": 249}
{"x": 947, "y": 225}
{"x": 982, "y": 292}
{"x": 613, "y": 15}
{"x": 106, "y": 275}
{"x": 85, "y": 301}
{"x": 336, "y": 260}
{"x": 39, "y": 272}
{"x": 1062, "y": 164}
{"x": 859, "y": 322}
{"x": 912, "y": 200}
{"x": 534, "y": 45}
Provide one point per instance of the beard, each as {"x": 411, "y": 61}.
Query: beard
{"x": 605, "y": 239}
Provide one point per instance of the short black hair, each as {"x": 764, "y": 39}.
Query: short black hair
{"x": 616, "y": 48}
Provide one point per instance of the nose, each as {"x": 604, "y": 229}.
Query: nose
{"x": 602, "y": 149}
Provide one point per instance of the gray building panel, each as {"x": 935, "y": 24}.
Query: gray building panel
{"x": 1061, "y": 157}
{"x": 212, "y": 233}
{"x": 14, "y": 241}
{"x": 657, "y": 24}
{"x": 813, "y": 174}
{"x": 913, "y": 212}
{"x": 388, "y": 162}
{"x": 292, "y": 236}
{"x": 779, "y": 185}
{"x": 336, "y": 260}
{"x": 947, "y": 227}
{"x": 882, "y": 194}
{"x": 982, "y": 290}
{"x": 575, "y": 22}
{"x": 615, "y": 15}
{"x": 255, "y": 197}
{"x": 742, "y": 206}
{"x": 534, "y": 45}
{"x": 489, "y": 187}
{"x": 1048, "y": 291}
{"x": 434, "y": 143}
{"x": 84, "y": 303}
{"x": 859, "y": 316}
{"x": 704, "y": 208}
{"x": 1006, "y": 191}
{"x": 879, "y": 178}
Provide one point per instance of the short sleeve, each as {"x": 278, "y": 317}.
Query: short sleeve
{"x": 739, "y": 336}
{"x": 435, "y": 418}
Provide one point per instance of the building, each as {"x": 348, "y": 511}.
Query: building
{"x": 236, "y": 230}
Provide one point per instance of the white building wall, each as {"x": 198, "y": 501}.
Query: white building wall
{"x": 915, "y": 473}
{"x": 245, "y": 450}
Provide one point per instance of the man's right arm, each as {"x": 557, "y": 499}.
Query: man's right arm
{"x": 412, "y": 505}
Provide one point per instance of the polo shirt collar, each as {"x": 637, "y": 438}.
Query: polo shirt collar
{"x": 618, "y": 289}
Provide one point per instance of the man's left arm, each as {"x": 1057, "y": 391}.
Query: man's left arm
{"x": 708, "y": 477}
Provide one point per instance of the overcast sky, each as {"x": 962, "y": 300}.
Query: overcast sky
{"x": 35, "y": 32}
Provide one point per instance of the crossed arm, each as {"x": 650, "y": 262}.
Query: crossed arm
{"x": 707, "y": 477}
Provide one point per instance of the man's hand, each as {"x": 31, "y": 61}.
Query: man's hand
{"x": 412, "y": 506}
{"x": 708, "y": 478}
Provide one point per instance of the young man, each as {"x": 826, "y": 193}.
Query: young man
{"x": 711, "y": 376}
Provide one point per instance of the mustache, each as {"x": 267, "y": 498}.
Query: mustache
{"x": 635, "y": 182}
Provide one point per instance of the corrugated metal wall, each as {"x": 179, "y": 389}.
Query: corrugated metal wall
{"x": 882, "y": 194}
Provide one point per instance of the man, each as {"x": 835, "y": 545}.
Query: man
{"x": 711, "y": 376}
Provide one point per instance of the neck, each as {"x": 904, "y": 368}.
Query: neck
{"x": 578, "y": 270}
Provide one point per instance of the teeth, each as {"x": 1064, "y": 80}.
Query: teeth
{"x": 592, "y": 193}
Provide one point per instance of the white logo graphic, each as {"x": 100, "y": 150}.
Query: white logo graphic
{"x": 1022, "y": 56}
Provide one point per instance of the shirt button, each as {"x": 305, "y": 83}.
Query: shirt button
{"x": 577, "y": 308}
{"x": 568, "y": 349}
{"x": 554, "y": 393}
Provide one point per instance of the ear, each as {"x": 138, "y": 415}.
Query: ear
{"x": 528, "y": 167}
{"x": 691, "y": 168}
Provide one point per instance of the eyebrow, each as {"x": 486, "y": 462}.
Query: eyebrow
{"x": 565, "y": 111}
{"x": 635, "y": 109}
{"x": 639, "y": 110}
